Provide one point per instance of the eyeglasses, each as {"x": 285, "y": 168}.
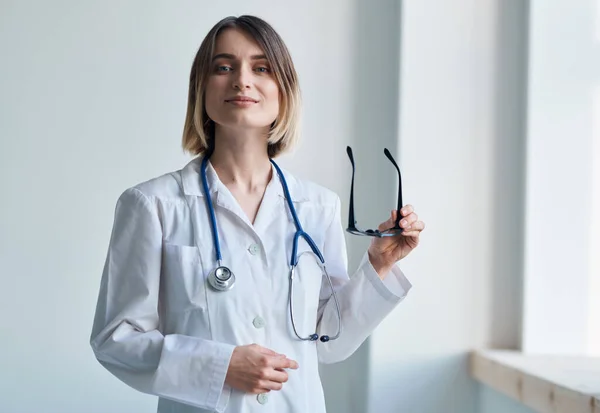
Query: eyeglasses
{"x": 352, "y": 228}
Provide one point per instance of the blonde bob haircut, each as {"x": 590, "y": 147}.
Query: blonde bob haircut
{"x": 199, "y": 129}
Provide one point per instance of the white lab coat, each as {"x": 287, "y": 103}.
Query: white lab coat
{"x": 163, "y": 331}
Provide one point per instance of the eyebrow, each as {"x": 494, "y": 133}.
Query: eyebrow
{"x": 229, "y": 56}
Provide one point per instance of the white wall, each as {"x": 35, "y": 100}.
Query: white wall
{"x": 93, "y": 100}
{"x": 461, "y": 140}
{"x": 562, "y": 285}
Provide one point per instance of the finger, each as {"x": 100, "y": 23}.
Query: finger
{"x": 416, "y": 226}
{"x": 285, "y": 363}
{"x": 411, "y": 234}
{"x": 271, "y": 385}
{"x": 386, "y": 225}
{"x": 392, "y": 219}
{"x": 404, "y": 212}
{"x": 278, "y": 376}
{"x": 407, "y": 210}
{"x": 270, "y": 352}
{"x": 259, "y": 391}
{"x": 266, "y": 386}
{"x": 414, "y": 230}
{"x": 409, "y": 220}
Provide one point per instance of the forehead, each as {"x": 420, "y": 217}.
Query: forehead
{"x": 237, "y": 43}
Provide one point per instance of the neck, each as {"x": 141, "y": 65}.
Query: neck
{"x": 240, "y": 159}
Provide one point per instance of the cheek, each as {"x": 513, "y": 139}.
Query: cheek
{"x": 273, "y": 96}
{"x": 273, "y": 92}
{"x": 213, "y": 90}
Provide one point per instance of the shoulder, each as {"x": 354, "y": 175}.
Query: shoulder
{"x": 164, "y": 188}
{"x": 316, "y": 205}
{"x": 307, "y": 191}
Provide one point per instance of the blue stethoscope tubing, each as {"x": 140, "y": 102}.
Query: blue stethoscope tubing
{"x": 222, "y": 278}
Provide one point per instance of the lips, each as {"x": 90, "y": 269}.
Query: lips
{"x": 242, "y": 99}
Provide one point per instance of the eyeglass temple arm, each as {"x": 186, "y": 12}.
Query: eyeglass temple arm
{"x": 351, "y": 220}
{"x": 400, "y": 204}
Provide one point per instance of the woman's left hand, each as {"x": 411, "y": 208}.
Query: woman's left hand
{"x": 386, "y": 251}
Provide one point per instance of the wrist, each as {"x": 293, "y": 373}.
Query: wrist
{"x": 381, "y": 267}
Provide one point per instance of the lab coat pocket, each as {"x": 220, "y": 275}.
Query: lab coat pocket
{"x": 183, "y": 278}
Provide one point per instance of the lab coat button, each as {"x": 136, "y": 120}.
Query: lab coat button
{"x": 258, "y": 322}
{"x": 263, "y": 398}
{"x": 254, "y": 249}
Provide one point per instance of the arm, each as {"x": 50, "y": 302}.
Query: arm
{"x": 365, "y": 299}
{"x": 126, "y": 338}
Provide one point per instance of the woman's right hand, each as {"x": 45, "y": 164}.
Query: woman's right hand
{"x": 255, "y": 369}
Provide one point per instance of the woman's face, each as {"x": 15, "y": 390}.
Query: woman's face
{"x": 241, "y": 91}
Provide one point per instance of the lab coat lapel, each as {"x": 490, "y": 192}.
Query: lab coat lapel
{"x": 220, "y": 196}
{"x": 226, "y": 200}
{"x": 270, "y": 206}
{"x": 190, "y": 178}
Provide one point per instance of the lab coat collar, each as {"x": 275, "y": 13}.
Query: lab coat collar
{"x": 192, "y": 185}
{"x": 272, "y": 204}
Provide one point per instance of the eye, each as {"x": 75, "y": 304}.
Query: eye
{"x": 263, "y": 69}
{"x": 223, "y": 69}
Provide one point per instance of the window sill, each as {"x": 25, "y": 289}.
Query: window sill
{"x": 544, "y": 383}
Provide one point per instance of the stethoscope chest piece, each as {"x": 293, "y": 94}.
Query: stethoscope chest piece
{"x": 221, "y": 278}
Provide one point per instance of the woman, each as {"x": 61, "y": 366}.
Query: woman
{"x": 166, "y": 324}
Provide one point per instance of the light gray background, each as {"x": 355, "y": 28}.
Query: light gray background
{"x": 93, "y": 98}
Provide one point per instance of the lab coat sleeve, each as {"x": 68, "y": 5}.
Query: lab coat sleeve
{"x": 364, "y": 299}
{"x": 126, "y": 338}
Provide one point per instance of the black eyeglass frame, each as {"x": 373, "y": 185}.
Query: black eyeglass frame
{"x": 390, "y": 232}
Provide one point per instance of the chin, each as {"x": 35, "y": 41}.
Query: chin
{"x": 248, "y": 122}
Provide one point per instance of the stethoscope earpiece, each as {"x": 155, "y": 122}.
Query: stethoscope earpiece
{"x": 315, "y": 337}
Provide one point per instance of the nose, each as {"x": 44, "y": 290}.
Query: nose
{"x": 243, "y": 79}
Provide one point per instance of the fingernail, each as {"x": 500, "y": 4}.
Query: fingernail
{"x": 404, "y": 222}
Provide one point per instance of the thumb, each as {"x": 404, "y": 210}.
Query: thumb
{"x": 391, "y": 221}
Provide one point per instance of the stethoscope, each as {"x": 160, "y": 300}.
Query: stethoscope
{"x": 222, "y": 278}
